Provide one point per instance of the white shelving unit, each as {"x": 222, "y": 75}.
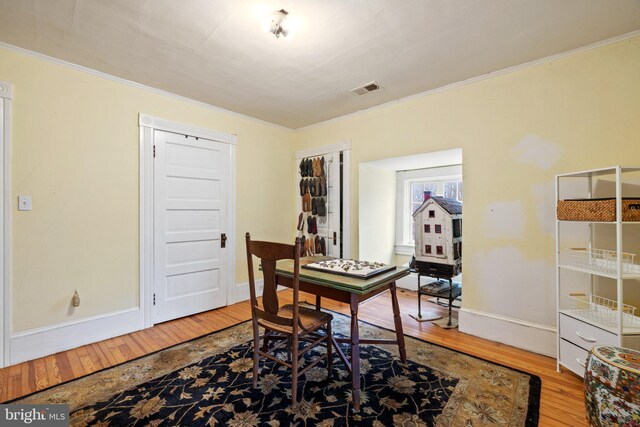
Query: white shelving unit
{"x": 584, "y": 318}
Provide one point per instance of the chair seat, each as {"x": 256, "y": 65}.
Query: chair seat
{"x": 309, "y": 318}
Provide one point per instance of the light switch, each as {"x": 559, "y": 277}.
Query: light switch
{"x": 24, "y": 203}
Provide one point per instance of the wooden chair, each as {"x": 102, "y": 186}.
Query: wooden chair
{"x": 287, "y": 325}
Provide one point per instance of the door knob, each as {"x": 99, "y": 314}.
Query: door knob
{"x": 223, "y": 240}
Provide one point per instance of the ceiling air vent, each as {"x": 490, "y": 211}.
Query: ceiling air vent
{"x": 366, "y": 88}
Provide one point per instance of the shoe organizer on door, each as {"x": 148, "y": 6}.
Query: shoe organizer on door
{"x": 318, "y": 221}
{"x": 597, "y": 270}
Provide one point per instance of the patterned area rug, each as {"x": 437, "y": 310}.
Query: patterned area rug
{"x": 207, "y": 382}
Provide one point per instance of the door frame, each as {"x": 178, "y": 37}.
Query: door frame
{"x": 345, "y": 148}
{"x": 5, "y": 223}
{"x": 148, "y": 124}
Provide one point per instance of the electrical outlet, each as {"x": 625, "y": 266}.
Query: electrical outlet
{"x": 24, "y": 203}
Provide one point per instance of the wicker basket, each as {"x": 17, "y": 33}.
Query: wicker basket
{"x": 597, "y": 210}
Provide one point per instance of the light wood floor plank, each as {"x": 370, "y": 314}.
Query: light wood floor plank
{"x": 77, "y": 370}
{"x": 66, "y": 372}
{"x": 42, "y": 379}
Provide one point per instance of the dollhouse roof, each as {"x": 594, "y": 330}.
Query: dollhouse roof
{"x": 452, "y": 206}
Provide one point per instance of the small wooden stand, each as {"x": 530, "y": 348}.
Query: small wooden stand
{"x": 436, "y": 289}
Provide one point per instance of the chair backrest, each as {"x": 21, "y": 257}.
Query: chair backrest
{"x": 270, "y": 253}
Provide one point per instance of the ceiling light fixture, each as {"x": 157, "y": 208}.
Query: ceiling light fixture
{"x": 277, "y": 23}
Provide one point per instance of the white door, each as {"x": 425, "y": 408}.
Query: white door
{"x": 191, "y": 177}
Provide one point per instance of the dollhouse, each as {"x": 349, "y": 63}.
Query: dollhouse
{"x": 438, "y": 236}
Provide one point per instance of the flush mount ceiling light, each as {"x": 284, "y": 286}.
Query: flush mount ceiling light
{"x": 277, "y": 23}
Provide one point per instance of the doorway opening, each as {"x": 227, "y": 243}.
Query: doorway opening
{"x": 323, "y": 200}
{"x": 391, "y": 191}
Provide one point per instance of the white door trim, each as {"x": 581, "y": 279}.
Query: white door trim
{"x": 161, "y": 124}
{"x": 346, "y": 203}
{"x": 5, "y": 220}
{"x": 345, "y": 148}
{"x": 148, "y": 125}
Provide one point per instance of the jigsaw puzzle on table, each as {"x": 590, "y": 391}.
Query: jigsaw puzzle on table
{"x": 350, "y": 267}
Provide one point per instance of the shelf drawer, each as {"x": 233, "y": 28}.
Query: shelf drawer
{"x": 583, "y": 334}
{"x": 573, "y": 357}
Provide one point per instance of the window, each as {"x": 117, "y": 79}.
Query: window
{"x": 427, "y": 228}
{"x": 432, "y": 214}
{"x": 427, "y": 249}
{"x": 453, "y": 190}
{"x": 416, "y": 191}
{"x": 447, "y": 188}
{"x": 438, "y": 228}
{"x": 439, "y": 250}
{"x": 410, "y": 188}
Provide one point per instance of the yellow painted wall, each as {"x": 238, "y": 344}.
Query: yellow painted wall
{"x": 75, "y": 151}
{"x": 517, "y": 131}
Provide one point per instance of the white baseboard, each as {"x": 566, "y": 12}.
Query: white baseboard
{"x": 39, "y": 342}
{"x": 240, "y": 291}
{"x": 34, "y": 343}
{"x": 529, "y": 336}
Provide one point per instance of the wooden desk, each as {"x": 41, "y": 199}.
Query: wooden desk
{"x": 352, "y": 291}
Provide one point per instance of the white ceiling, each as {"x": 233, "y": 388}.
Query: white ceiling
{"x": 214, "y": 51}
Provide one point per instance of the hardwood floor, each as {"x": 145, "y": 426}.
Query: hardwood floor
{"x": 562, "y": 401}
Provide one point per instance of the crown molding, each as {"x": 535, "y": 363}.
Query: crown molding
{"x": 409, "y": 98}
{"x": 487, "y": 76}
{"x": 136, "y": 85}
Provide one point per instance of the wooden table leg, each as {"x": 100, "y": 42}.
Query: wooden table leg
{"x": 419, "y": 302}
{"x": 318, "y": 302}
{"x": 355, "y": 355}
{"x": 398, "y": 323}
